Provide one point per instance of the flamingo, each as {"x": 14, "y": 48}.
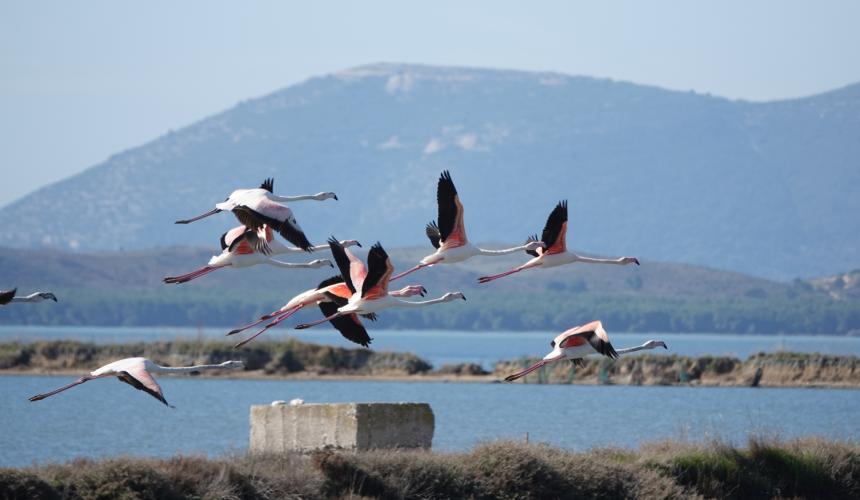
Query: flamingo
{"x": 368, "y": 286}
{"x": 449, "y": 236}
{"x": 581, "y": 341}
{"x": 237, "y": 251}
{"x": 328, "y": 295}
{"x": 137, "y": 372}
{"x": 556, "y": 253}
{"x": 8, "y": 296}
{"x": 257, "y": 207}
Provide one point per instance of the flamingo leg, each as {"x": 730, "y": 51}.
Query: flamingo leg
{"x": 201, "y": 216}
{"x": 249, "y": 325}
{"x": 511, "y": 378}
{"x": 410, "y": 271}
{"x": 314, "y": 323}
{"x": 280, "y": 318}
{"x": 79, "y": 381}
{"x": 487, "y": 279}
{"x": 190, "y": 276}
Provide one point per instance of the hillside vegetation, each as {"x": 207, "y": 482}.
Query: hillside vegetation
{"x": 807, "y": 468}
{"x": 768, "y": 189}
{"x": 125, "y": 289}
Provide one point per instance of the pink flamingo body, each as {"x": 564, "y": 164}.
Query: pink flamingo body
{"x": 449, "y": 236}
{"x": 259, "y": 207}
{"x": 369, "y": 285}
{"x": 580, "y": 341}
{"x": 555, "y": 252}
{"x": 137, "y": 372}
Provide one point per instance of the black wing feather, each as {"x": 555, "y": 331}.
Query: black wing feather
{"x": 530, "y": 239}
{"x": 578, "y": 362}
{"x": 445, "y": 194}
{"x": 258, "y": 244}
{"x": 224, "y": 241}
{"x": 130, "y": 380}
{"x": 601, "y": 345}
{"x": 268, "y": 184}
{"x": 554, "y": 224}
{"x": 348, "y": 325}
{"x": 377, "y": 266}
{"x": 255, "y": 220}
{"x": 7, "y": 296}
{"x": 342, "y": 261}
{"x": 330, "y": 281}
{"x": 433, "y": 233}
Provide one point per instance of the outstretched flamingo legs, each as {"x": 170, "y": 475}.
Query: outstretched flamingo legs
{"x": 286, "y": 314}
{"x": 192, "y": 275}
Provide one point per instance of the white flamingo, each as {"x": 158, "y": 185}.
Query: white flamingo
{"x": 8, "y": 296}
{"x": 556, "y": 253}
{"x": 368, "y": 286}
{"x": 260, "y": 206}
{"x": 580, "y": 341}
{"x": 449, "y": 236}
{"x": 137, "y": 372}
{"x": 238, "y": 251}
{"x": 328, "y": 295}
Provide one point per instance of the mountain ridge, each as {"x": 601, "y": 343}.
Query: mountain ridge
{"x": 638, "y": 163}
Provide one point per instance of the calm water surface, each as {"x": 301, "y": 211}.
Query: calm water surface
{"x": 445, "y": 346}
{"x": 105, "y": 417}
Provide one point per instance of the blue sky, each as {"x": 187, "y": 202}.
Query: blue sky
{"x": 81, "y": 81}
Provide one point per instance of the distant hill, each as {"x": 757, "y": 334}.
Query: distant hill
{"x": 768, "y": 189}
{"x": 126, "y": 289}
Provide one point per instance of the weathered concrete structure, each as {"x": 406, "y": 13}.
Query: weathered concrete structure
{"x": 349, "y": 426}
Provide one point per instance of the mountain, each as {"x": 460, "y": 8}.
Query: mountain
{"x": 768, "y": 189}
{"x": 125, "y": 288}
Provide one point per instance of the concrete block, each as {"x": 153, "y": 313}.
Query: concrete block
{"x": 347, "y": 426}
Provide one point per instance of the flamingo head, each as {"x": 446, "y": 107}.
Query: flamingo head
{"x": 534, "y": 245}
{"x": 233, "y": 365}
{"x": 411, "y": 290}
{"x": 630, "y": 260}
{"x": 349, "y": 243}
{"x": 653, "y": 344}
{"x": 448, "y": 297}
{"x": 320, "y": 263}
{"x": 325, "y": 196}
{"x": 47, "y": 296}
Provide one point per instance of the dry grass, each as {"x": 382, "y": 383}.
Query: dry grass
{"x": 808, "y": 468}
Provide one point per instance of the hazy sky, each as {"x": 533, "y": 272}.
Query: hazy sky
{"x": 80, "y": 81}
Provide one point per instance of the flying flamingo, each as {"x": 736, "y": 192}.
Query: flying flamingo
{"x": 9, "y": 296}
{"x": 556, "y": 253}
{"x": 137, "y": 372}
{"x": 237, "y": 251}
{"x": 329, "y": 295}
{"x": 256, "y": 207}
{"x": 449, "y": 236}
{"x": 581, "y": 341}
{"x": 368, "y": 286}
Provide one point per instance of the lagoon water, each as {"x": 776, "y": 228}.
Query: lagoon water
{"x": 105, "y": 417}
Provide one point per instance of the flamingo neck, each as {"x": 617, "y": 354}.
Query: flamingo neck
{"x": 504, "y": 251}
{"x": 642, "y": 347}
{"x": 185, "y": 369}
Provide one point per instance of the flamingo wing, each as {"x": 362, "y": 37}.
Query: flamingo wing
{"x": 379, "y": 272}
{"x": 433, "y": 234}
{"x": 7, "y": 296}
{"x": 555, "y": 230}
{"x": 250, "y": 241}
{"x": 451, "y": 227}
{"x": 228, "y": 237}
{"x": 593, "y": 333}
{"x": 268, "y": 185}
{"x": 349, "y": 325}
{"x": 142, "y": 380}
{"x": 351, "y": 268}
{"x": 257, "y": 211}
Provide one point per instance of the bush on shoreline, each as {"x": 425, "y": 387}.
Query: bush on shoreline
{"x": 806, "y": 468}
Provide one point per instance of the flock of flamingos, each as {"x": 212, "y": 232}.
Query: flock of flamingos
{"x": 359, "y": 290}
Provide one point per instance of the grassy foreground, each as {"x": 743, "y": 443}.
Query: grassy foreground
{"x": 808, "y": 468}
